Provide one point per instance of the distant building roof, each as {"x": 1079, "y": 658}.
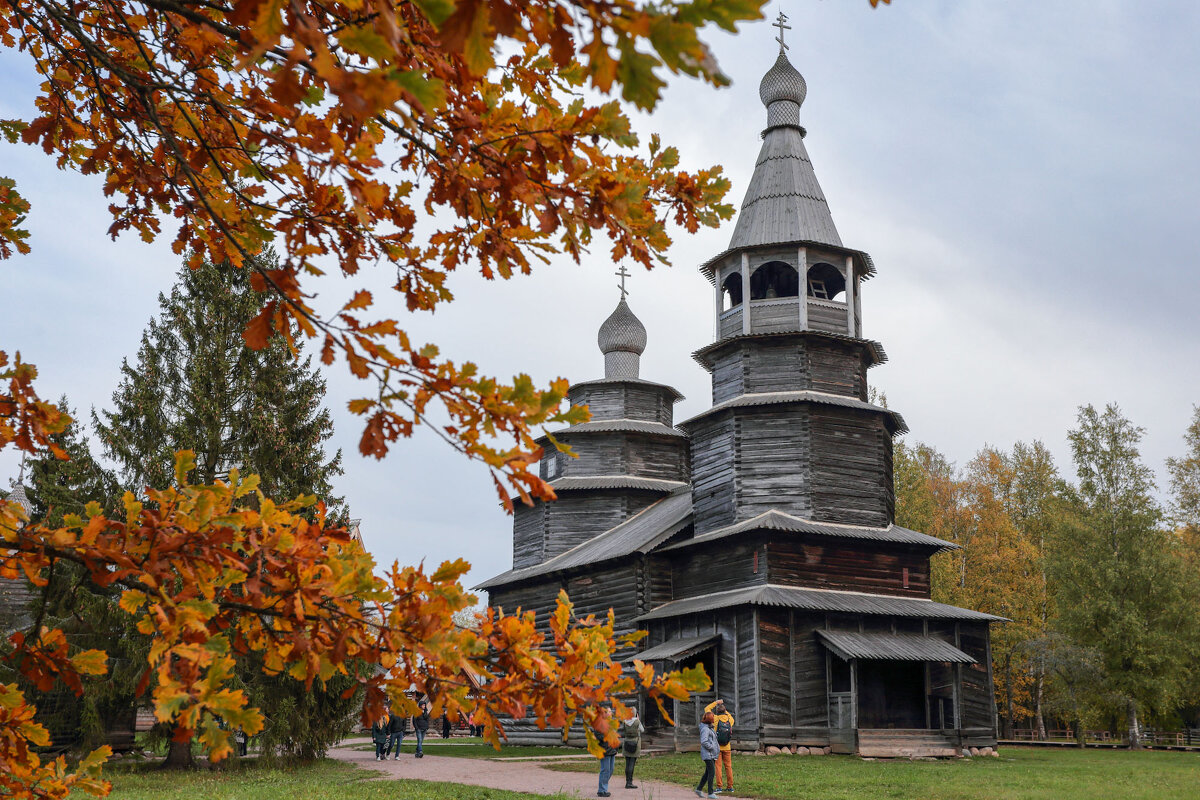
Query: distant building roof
{"x": 641, "y": 533}
{"x": 817, "y": 600}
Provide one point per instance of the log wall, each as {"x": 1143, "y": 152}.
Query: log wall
{"x": 786, "y": 364}
{"x": 712, "y": 442}
{"x": 625, "y": 400}
{"x": 849, "y": 565}
{"x": 851, "y": 467}
{"x": 581, "y": 515}
{"x": 725, "y": 564}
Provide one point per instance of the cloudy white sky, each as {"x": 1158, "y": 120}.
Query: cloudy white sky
{"x": 1023, "y": 173}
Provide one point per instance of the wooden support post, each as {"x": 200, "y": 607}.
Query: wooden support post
{"x": 857, "y": 310}
{"x": 802, "y": 268}
{"x": 850, "y": 293}
{"x": 719, "y": 305}
{"x": 745, "y": 293}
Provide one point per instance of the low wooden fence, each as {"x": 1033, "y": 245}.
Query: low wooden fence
{"x": 1187, "y": 737}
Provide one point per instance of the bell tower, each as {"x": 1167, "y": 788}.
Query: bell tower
{"x": 790, "y": 429}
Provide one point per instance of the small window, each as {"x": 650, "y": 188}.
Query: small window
{"x": 731, "y": 292}
{"x": 773, "y": 280}
{"x": 552, "y": 467}
{"x": 825, "y": 282}
{"x": 839, "y": 675}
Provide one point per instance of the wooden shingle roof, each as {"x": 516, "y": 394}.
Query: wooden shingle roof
{"x": 775, "y": 520}
{"x": 817, "y": 600}
{"x": 641, "y": 533}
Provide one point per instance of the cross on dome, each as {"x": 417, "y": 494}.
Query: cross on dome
{"x": 624, "y": 273}
{"x": 780, "y": 22}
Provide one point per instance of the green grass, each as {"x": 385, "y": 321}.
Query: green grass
{"x": 1019, "y": 774}
{"x": 325, "y": 780}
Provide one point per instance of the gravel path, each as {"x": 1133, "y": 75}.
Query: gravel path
{"x": 528, "y": 777}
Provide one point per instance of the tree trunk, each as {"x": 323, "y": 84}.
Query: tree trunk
{"x": 1135, "y": 731}
{"x": 1039, "y": 721}
{"x": 1009, "y": 707}
{"x": 180, "y": 756}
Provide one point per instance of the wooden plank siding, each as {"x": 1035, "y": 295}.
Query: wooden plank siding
{"x": 847, "y": 566}
{"x": 625, "y": 400}
{"x": 789, "y": 363}
{"x": 851, "y": 474}
{"x": 713, "y": 445}
{"x": 624, "y": 453}
{"x": 581, "y": 515}
{"x": 771, "y": 461}
{"x": 978, "y": 698}
{"x": 722, "y": 565}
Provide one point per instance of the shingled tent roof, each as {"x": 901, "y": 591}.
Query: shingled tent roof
{"x": 817, "y": 600}
{"x": 641, "y": 533}
{"x": 775, "y": 520}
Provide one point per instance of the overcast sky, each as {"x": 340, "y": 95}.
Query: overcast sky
{"x": 1023, "y": 173}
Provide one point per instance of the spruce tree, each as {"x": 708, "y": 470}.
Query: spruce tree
{"x": 87, "y": 613}
{"x": 195, "y": 385}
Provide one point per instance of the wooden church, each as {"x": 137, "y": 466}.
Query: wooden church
{"x": 758, "y": 538}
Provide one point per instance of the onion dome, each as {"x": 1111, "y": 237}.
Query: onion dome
{"x": 782, "y": 82}
{"x": 18, "y": 497}
{"x": 782, "y": 90}
{"x": 622, "y": 339}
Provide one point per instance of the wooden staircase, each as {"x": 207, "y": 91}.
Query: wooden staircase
{"x": 899, "y": 743}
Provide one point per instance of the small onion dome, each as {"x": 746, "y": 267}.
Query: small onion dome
{"x": 782, "y": 82}
{"x": 622, "y": 339}
{"x": 622, "y": 331}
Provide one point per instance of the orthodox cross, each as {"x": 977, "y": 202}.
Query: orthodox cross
{"x": 624, "y": 273}
{"x": 781, "y": 24}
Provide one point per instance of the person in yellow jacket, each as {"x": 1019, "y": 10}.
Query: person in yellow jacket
{"x": 723, "y": 725}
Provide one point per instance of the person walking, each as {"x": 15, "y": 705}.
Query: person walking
{"x": 397, "y": 727}
{"x": 709, "y": 751}
{"x": 421, "y": 725}
{"x": 608, "y": 763}
{"x": 631, "y": 745}
{"x": 723, "y": 726}
{"x": 379, "y": 735}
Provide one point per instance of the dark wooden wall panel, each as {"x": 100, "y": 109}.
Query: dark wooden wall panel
{"x": 578, "y": 516}
{"x": 712, "y": 473}
{"x": 727, "y": 564}
{"x": 747, "y": 660}
{"x": 772, "y": 461}
{"x": 808, "y": 664}
{"x": 775, "y": 666}
{"x": 851, "y": 467}
{"x": 853, "y": 566}
{"x": 528, "y": 534}
{"x": 978, "y": 699}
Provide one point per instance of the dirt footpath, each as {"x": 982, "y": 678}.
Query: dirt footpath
{"x": 530, "y": 777}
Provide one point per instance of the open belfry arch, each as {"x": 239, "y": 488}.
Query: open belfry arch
{"x": 758, "y": 538}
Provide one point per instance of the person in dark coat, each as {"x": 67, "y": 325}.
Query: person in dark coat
{"x": 710, "y": 751}
{"x": 631, "y": 745}
{"x": 421, "y": 725}
{"x": 397, "y": 727}
{"x": 379, "y": 735}
{"x": 445, "y": 725}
